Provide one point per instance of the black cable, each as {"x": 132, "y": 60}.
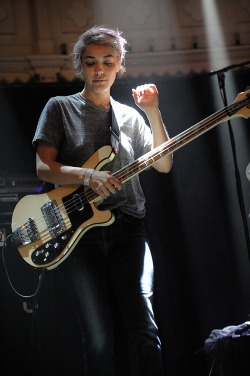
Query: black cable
{"x": 40, "y": 279}
{"x": 34, "y": 354}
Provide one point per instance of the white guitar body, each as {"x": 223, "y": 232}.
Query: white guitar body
{"x": 57, "y": 238}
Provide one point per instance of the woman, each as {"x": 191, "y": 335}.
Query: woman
{"x": 112, "y": 261}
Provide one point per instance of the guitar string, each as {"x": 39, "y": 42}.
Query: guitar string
{"x": 88, "y": 195}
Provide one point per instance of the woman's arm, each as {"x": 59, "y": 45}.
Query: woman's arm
{"x": 48, "y": 169}
{"x": 146, "y": 98}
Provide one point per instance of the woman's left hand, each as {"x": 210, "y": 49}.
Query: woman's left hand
{"x": 146, "y": 97}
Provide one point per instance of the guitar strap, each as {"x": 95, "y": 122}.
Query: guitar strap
{"x": 115, "y": 132}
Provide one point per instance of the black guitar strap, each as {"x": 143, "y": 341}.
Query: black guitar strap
{"x": 115, "y": 132}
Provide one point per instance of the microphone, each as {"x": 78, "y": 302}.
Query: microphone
{"x": 248, "y": 171}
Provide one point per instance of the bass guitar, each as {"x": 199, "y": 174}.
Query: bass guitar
{"x": 46, "y": 227}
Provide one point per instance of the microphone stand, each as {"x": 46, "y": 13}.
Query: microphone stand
{"x": 229, "y": 67}
{"x": 221, "y": 81}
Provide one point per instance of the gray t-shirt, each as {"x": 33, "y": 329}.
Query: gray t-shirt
{"x": 78, "y": 128}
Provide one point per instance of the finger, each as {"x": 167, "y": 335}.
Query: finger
{"x": 112, "y": 189}
{"x": 116, "y": 183}
{"x": 146, "y": 89}
{"x": 140, "y": 89}
{"x": 134, "y": 94}
{"x": 137, "y": 96}
{"x": 153, "y": 88}
{"x": 103, "y": 192}
{"x": 105, "y": 188}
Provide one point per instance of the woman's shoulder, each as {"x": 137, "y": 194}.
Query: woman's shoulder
{"x": 123, "y": 109}
{"x": 64, "y": 98}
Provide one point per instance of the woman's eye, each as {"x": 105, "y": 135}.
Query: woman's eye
{"x": 91, "y": 63}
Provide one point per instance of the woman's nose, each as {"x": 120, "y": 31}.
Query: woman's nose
{"x": 98, "y": 69}
{"x": 98, "y": 72}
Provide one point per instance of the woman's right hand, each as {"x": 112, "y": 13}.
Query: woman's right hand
{"x": 104, "y": 184}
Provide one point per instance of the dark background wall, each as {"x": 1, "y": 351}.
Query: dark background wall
{"x": 198, "y": 238}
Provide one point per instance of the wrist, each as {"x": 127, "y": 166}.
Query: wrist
{"x": 87, "y": 176}
{"x": 153, "y": 113}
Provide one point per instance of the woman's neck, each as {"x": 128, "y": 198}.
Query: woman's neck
{"x": 98, "y": 99}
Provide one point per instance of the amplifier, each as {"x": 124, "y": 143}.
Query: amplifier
{"x": 12, "y": 189}
{"x": 20, "y": 184}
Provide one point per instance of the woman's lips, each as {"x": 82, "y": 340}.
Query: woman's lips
{"x": 99, "y": 80}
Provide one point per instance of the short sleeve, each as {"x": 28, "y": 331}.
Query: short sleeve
{"x": 49, "y": 127}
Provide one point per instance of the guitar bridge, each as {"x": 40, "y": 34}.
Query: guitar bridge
{"x": 26, "y": 234}
{"x": 53, "y": 218}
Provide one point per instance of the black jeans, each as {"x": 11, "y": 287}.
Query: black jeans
{"x": 115, "y": 258}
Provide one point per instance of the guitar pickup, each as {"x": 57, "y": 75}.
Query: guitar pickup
{"x": 53, "y": 218}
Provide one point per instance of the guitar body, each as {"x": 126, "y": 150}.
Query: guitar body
{"x": 53, "y": 223}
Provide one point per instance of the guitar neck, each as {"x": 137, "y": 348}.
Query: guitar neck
{"x": 180, "y": 140}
